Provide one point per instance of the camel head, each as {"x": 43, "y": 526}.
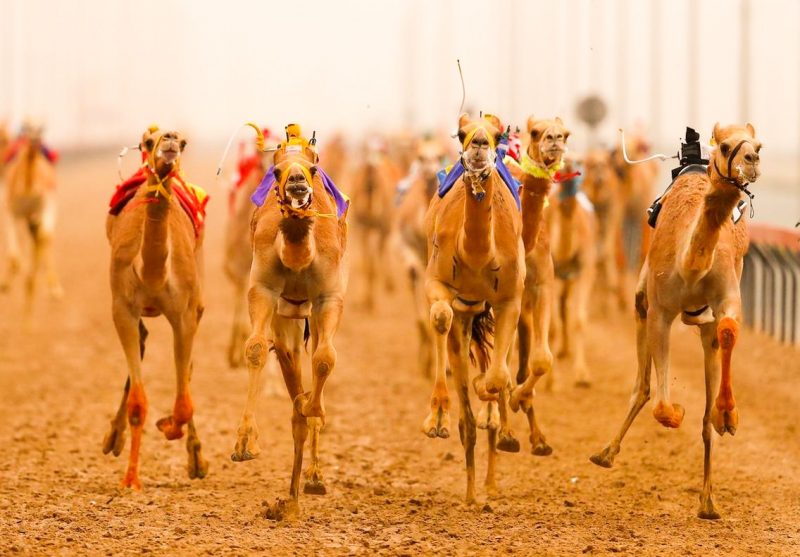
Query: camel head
{"x": 429, "y": 153}
{"x": 163, "y": 149}
{"x": 736, "y": 156}
{"x": 597, "y": 174}
{"x": 479, "y": 139}
{"x": 548, "y": 142}
{"x": 295, "y": 168}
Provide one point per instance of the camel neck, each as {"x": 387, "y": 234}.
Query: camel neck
{"x": 155, "y": 240}
{"x": 478, "y": 239}
{"x": 534, "y": 194}
{"x": 297, "y": 247}
{"x": 718, "y": 203}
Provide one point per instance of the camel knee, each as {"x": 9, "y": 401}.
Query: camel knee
{"x": 441, "y": 317}
{"x": 727, "y": 332}
{"x": 323, "y": 361}
{"x": 137, "y": 405}
{"x": 640, "y": 304}
{"x": 255, "y": 351}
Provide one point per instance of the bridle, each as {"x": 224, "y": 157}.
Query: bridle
{"x": 733, "y": 181}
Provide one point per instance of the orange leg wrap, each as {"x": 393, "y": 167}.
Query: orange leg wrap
{"x": 137, "y": 413}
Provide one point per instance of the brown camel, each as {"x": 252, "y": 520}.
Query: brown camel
{"x": 409, "y": 240}
{"x": 693, "y": 269}
{"x": 30, "y": 181}
{"x": 156, "y": 269}
{"x": 373, "y": 204}
{"x": 540, "y": 165}
{"x": 573, "y": 230}
{"x": 603, "y": 187}
{"x": 298, "y": 275}
{"x": 476, "y": 265}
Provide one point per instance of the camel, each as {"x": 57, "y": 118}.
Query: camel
{"x": 30, "y": 181}
{"x": 156, "y": 269}
{"x": 573, "y": 230}
{"x": 334, "y": 157}
{"x": 238, "y": 249}
{"x": 298, "y": 276}
{"x": 602, "y": 185}
{"x": 540, "y": 165}
{"x": 408, "y": 237}
{"x": 637, "y": 183}
{"x": 475, "y": 266}
{"x": 693, "y": 268}
{"x": 373, "y": 196}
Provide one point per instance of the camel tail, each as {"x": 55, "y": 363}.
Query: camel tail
{"x": 480, "y": 350}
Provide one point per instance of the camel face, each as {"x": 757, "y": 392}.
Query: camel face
{"x": 429, "y": 156}
{"x": 295, "y": 183}
{"x": 548, "y": 140}
{"x": 737, "y": 154}
{"x": 597, "y": 168}
{"x": 478, "y": 142}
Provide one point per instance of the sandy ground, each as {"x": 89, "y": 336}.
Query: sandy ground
{"x": 391, "y": 490}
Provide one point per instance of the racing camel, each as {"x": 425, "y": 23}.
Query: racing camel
{"x": 30, "y": 183}
{"x": 692, "y": 269}
{"x": 298, "y": 277}
{"x": 476, "y": 266}
{"x": 156, "y": 236}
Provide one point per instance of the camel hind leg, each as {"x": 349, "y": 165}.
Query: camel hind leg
{"x": 641, "y": 388}
{"x": 184, "y": 329}
{"x": 708, "y": 333}
{"x": 437, "y": 423}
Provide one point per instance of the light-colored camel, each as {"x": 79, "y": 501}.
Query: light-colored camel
{"x": 156, "y": 269}
{"x": 30, "y": 182}
{"x": 372, "y": 193}
{"x": 409, "y": 239}
{"x": 693, "y": 269}
{"x": 540, "y": 164}
{"x": 637, "y": 187}
{"x": 475, "y": 266}
{"x": 573, "y": 230}
{"x": 298, "y": 275}
{"x": 603, "y": 187}
{"x": 238, "y": 246}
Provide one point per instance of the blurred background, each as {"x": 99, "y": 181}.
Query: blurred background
{"x": 97, "y": 72}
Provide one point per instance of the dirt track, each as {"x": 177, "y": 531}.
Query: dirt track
{"x": 391, "y": 490}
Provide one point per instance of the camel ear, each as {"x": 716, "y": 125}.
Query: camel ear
{"x": 149, "y": 143}
{"x": 715, "y": 134}
{"x": 494, "y": 120}
{"x": 277, "y": 172}
{"x": 751, "y": 129}
{"x": 313, "y": 170}
{"x": 497, "y": 137}
{"x": 558, "y": 121}
{"x": 566, "y": 133}
{"x": 463, "y": 120}
{"x": 183, "y": 144}
{"x": 531, "y": 123}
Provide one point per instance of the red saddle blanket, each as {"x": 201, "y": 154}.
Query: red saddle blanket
{"x": 192, "y": 198}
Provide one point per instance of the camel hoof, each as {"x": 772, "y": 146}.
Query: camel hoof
{"x": 171, "y": 429}
{"x": 707, "y": 510}
{"x": 198, "y": 466}
{"x": 246, "y": 447}
{"x": 724, "y": 420}
{"x": 131, "y": 481}
{"x": 669, "y": 415}
{"x": 542, "y": 449}
{"x": 603, "y": 459}
{"x": 114, "y": 441}
{"x": 282, "y": 510}
{"x": 508, "y": 443}
{"x": 314, "y": 487}
{"x": 437, "y": 425}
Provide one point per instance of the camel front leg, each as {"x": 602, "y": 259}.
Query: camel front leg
{"x": 724, "y": 415}
{"x": 708, "y": 334}
{"x": 325, "y": 317}
{"x": 239, "y": 328}
{"x": 184, "y": 328}
{"x": 458, "y": 351}
{"x": 658, "y": 331}
{"x": 261, "y": 303}
{"x": 127, "y": 325}
{"x": 437, "y": 423}
{"x": 641, "y": 387}
{"x": 506, "y": 317}
{"x": 580, "y": 310}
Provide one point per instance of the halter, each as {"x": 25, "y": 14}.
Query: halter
{"x": 476, "y": 177}
{"x": 149, "y": 169}
{"x": 732, "y": 181}
{"x": 287, "y": 210}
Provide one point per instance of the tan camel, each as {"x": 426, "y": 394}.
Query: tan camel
{"x": 373, "y": 189}
{"x": 693, "y": 269}
{"x": 409, "y": 239}
{"x": 298, "y": 275}
{"x": 603, "y": 187}
{"x": 573, "y": 230}
{"x": 476, "y": 265}
{"x": 156, "y": 269}
{"x": 540, "y": 164}
{"x": 30, "y": 181}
